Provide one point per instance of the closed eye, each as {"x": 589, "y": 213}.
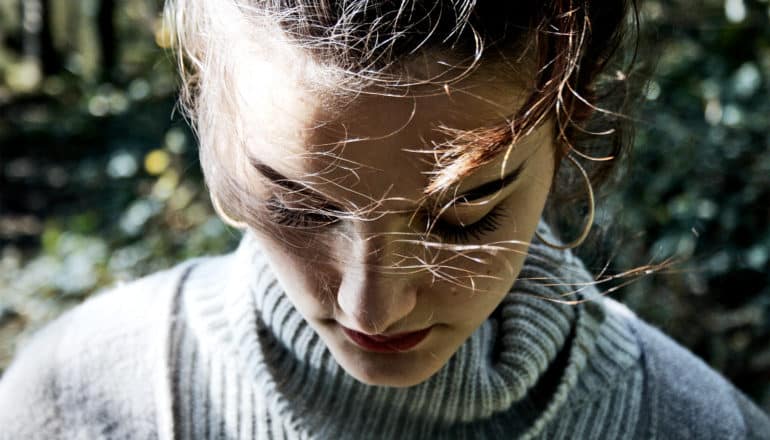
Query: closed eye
{"x": 306, "y": 217}
{"x": 458, "y": 233}
{"x": 301, "y": 218}
{"x": 480, "y": 193}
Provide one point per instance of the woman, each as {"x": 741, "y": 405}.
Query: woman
{"x": 390, "y": 163}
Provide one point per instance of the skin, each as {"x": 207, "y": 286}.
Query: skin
{"x": 342, "y": 285}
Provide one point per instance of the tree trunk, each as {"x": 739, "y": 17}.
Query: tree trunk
{"x": 107, "y": 38}
{"x": 50, "y": 58}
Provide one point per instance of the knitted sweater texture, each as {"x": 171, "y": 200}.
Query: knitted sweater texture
{"x": 213, "y": 349}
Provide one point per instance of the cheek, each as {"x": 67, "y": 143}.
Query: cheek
{"x": 475, "y": 285}
{"x": 510, "y": 242}
{"x": 309, "y": 285}
{"x": 488, "y": 274}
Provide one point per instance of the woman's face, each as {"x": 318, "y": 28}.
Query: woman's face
{"x": 360, "y": 279}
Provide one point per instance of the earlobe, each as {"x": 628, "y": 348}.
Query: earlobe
{"x": 561, "y": 149}
{"x": 591, "y": 211}
{"x": 226, "y": 218}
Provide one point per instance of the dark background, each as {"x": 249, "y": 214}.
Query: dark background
{"x": 99, "y": 180}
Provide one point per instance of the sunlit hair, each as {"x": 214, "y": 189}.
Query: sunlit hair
{"x": 579, "y": 78}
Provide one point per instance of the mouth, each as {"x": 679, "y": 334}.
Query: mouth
{"x": 400, "y": 342}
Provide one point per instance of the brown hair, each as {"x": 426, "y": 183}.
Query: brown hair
{"x": 572, "y": 42}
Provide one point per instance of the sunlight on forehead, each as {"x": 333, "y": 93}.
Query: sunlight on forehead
{"x": 275, "y": 100}
{"x": 389, "y": 141}
{"x": 373, "y": 147}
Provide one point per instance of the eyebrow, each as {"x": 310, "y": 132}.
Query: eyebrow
{"x": 277, "y": 178}
{"x": 487, "y": 189}
{"x": 479, "y": 192}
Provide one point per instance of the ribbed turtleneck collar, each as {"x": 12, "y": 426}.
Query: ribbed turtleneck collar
{"x": 510, "y": 376}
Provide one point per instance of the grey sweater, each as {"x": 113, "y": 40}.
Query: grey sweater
{"x": 213, "y": 349}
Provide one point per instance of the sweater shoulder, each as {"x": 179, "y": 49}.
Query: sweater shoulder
{"x": 684, "y": 397}
{"x": 92, "y": 369}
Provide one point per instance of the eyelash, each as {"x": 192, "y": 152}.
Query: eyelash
{"x": 456, "y": 233}
{"x": 453, "y": 233}
{"x": 295, "y": 218}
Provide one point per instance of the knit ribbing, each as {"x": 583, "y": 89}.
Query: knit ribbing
{"x": 250, "y": 367}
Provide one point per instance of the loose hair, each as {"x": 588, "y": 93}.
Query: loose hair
{"x": 580, "y": 78}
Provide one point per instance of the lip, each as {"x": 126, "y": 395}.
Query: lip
{"x": 387, "y": 344}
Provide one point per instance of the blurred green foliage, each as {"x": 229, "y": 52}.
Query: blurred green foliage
{"x": 698, "y": 190}
{"x": 99, "y": 180}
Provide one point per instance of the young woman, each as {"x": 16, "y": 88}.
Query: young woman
{"x": 389, "y": 162}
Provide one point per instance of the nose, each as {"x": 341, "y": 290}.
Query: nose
{"x": 373, "y": 296}
{"x": 372, "y": 303}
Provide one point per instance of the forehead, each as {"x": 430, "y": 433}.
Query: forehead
{"x": 374, "y": 145}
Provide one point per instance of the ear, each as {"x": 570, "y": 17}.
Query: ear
{"x": 561, "y": 149}
{"x": 226, "y": 218}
